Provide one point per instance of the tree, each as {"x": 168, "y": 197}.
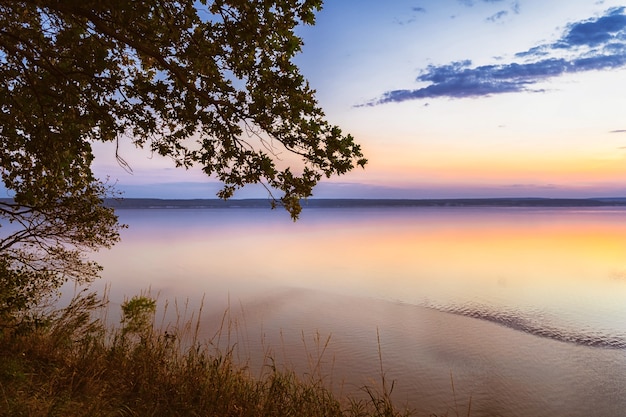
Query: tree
{"x": 209, "y": 83}
{"x": 46, "y": 243}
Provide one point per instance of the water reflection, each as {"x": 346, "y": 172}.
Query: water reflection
{"x": 507, "y": 275}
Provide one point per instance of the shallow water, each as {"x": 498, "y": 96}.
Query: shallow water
{"x": 523, "y": 311}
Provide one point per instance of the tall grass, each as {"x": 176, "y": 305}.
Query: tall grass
{"x": 69, "y": 362}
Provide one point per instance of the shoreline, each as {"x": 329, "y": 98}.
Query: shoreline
{"x": 148, "y": 203}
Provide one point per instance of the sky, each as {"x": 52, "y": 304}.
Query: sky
{"x": 452, "y": 98}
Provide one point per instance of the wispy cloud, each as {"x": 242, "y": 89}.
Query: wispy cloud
{"x": 498, "y": 16}
{"x": 592, "y": 44}
{"x": 515, "y": 7}
{"x": 618, "y": 131}
{"x": 412, "y": 18}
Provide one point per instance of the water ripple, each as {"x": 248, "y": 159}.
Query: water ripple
{"x": 516, "y": 320}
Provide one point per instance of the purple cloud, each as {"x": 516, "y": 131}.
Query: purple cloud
{"x": 594, "y": 44}
{"x": 596, "y": 32}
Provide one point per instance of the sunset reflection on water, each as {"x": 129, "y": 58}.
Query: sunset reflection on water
{"x": 532, "y": 291}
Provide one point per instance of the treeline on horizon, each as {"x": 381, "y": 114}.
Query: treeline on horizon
{"x": 147, "y": 203}
{"x": 159, "y": 203}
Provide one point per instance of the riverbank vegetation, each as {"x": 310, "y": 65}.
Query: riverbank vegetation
{"x": 69, "y": 362}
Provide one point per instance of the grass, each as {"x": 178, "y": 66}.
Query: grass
{"x": 70, "y": 363}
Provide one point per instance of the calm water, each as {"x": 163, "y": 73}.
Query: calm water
{"x": 523, "y": 309}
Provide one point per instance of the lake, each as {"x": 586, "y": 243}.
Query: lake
{"x": 521, "y": 311}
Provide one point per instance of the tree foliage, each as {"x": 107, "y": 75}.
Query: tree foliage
{"x": 209, "y": 83}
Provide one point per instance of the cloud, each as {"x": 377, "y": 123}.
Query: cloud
{"x": 501, "y": 14}
{"x": 596, "y": 32}
{"x": 404, "y": 22}
{"x": 618, "y": 131}
{"x": 590, "y": 45}
{"x": 412, "y": 18}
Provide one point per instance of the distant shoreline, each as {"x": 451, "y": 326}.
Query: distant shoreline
{"x": 215, "y": 203}
{"x": 154, "y": 203}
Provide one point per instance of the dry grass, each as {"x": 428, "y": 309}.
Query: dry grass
{"x": 71, "y": 364}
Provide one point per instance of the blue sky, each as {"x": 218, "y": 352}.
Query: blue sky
{"x": 478, "y": 98}
{"x": 453, "y": 98}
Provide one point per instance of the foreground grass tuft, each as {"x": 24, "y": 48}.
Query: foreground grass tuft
{"x": 68, "y": 363}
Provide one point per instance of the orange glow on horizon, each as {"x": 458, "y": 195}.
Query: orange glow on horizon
{"x": 450, "y": 165}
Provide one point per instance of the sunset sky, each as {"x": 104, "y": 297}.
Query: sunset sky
{"x": 454, "y": 98}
